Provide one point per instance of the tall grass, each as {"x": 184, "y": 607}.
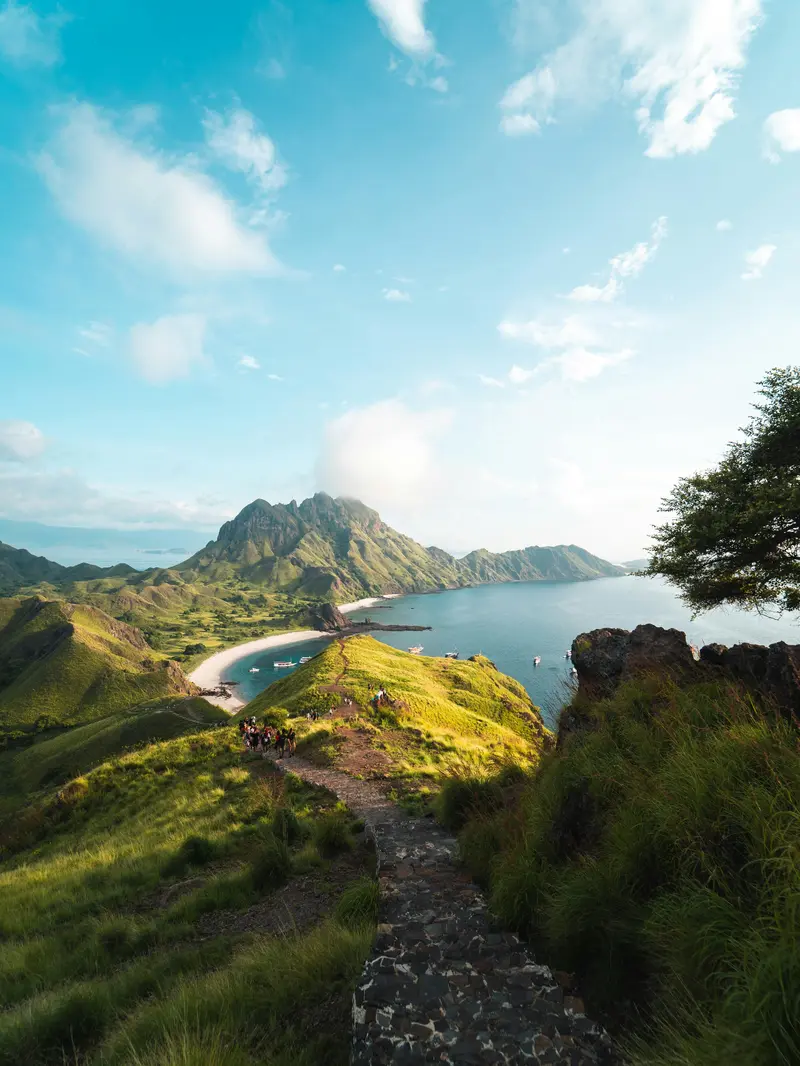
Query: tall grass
{"x": 658, "y": 856}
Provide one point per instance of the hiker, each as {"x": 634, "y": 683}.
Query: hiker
{"x": 280, "y": 743}
{"x": 291, "y": 738}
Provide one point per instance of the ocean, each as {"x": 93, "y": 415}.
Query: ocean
{"x": 512, "y": 623}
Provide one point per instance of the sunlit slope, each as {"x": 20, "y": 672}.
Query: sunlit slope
{"x": 444, "y": 711}
{"x": 72, "y": 663}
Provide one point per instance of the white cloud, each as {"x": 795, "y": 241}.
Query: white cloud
{"x": 396, "y": 296}
{"x": 28, "y": 39}
{"x": 625, "y": 265}
{"x": 249, "y": 362}
{"x": 20, "y": 441}
{"x": 491, "y": 383}
{"x": 679, "y": 62}
{"x": 517, "y": 375}
{"x": 98, "y": 333}
{"x": 724, "y": 225}
{"x": 338, "y": 268}
{"x": 439, "y": 84}
{"x": 273, "y": 69}
{"x": 168, "y": 348}
{"x": 757, "y": 261}
{"x": 782, "y": 133}
{"x": 275, "y": 377}
{"x": 403, "y": 23}
{"x": 397, "y": 465}
{"x": 151, "y": 209}
{"x": 579, "y": 348}
{"x": 234, "y": 139}
{"x": 519, "y": 125}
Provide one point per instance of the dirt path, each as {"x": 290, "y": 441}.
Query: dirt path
{"x": 444, "y": 983}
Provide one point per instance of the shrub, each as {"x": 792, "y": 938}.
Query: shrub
{"x": 285, "y": 825}
{"x": 276, "y": 717}
{"x": 462, "y": 796}
{"x": 194, "y": 851}
{"x": 358, "y": 905}
{"x": 271, "y": 867}
{"x": 332, "y": 833}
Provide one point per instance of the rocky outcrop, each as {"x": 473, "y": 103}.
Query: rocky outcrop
{"x": 328, "y": 619}
{"x": 772, "y": 672}
{"x": 606, "y": 657}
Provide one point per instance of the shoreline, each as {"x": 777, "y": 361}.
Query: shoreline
{"x": 209, "y": 674}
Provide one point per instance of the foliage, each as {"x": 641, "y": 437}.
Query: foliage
{"x": 358, "y": 905}
{"x": 736, "y": 532}
{"x": 100, "y": 961}
{"x": 332, "y": 833}
{"x": 657, "y": 856}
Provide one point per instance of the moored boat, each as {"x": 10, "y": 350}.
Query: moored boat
{"x": 536, "y": 660}
{"x": 451, "y": 655}
{"x": 283, "y": 664}
{"x": 416, "y": 650}
{"x": 253, "y": 669}
{"x": 305, "y": 659}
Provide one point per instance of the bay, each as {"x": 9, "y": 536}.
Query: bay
{"x": 512, "y": 623}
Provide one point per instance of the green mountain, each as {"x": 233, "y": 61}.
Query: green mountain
{"x": 73, "y": 663}
{"x": 336, "y": 548}
{"x": 20, "y": 569}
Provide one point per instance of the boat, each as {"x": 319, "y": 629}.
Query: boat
{"x": 536, "y": 660}
{"x": 253, "y": 669}
{"x": 416, "y": 650}
{"x": 567, "y": 654}
{"x": 451, "y": 655}
{"x": 574, "y": 672}
{"x": 305, "y": 659}
{"x": 283, "y": 664}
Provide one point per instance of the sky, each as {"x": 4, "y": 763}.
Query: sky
{"x": 504, "y": 270}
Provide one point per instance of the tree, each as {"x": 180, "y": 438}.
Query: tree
{"x": 735, "y": 534}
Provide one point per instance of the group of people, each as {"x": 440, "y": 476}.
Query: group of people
{"x": 262, "y": 739}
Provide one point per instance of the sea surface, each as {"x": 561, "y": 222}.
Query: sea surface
{"x": 512, "y": 623}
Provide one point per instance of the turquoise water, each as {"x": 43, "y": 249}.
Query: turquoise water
{"x": 512, "y": 623}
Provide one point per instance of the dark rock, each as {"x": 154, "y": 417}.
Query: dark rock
{"x": 772, "y": 673}
{"x": 327, "y": 618}
{"x": 606, "y": 657}
{"x": 713, "y": 654}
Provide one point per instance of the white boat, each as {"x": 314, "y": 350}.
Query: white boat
{"x": 305, "y": 659}
{"x": 451, "y": 655}
{"x": 253, "y": 669}
{"x": 283, "y": 664}
{"x": 416, "y": 650}
{"x": 567, "y": 654}
{"x": 536, "y": 660}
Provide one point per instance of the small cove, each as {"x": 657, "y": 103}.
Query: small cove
{"x": 512, "y": 623}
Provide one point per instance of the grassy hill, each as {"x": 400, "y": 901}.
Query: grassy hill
{"x": 181, "y": 904}
{"x": 449, "y": 715}
{"x": 73, "y": 663}
{"x": 20, "y": 569}
{"x": 57, "y": 758}
{"x": 656, "y": 854}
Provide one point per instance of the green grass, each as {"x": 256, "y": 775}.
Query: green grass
{"x": 451, "y": 714}
{"x": 104, "y": 881}
{"x": 658, "y": 856}
{"x": 53, "y": 760}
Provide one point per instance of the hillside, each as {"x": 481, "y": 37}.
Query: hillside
{"x": 342, "y": 549}
{"x": 20, "y": 569}
{"x": 443, "y": 716}
{"x": 181, "y": 904}
{"x": 71, "y": 663}
{"x": 654, "y": 853}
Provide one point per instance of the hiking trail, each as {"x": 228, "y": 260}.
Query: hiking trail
{"x": 444, "y": 983}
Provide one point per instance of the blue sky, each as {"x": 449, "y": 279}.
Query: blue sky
{"x": 505, "y": 270}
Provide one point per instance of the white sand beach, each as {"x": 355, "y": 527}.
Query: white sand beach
{"x": 210, "y": 673}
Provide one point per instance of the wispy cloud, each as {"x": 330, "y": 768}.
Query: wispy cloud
{"x": 396, "y": 296}
{"x": 518, "y": 375}
{"x": 757, "y": 261}
{"x": 235, "y": 140}
{"x": 98, "y": 333}
{"x": 153, "y": 210}
{"x": 275, "y": 377}
{"x": 28, "y": 39}
{"x": 724, "y": 225}
{"x": 168, "y": 348}
{"x": 491, "y": 383}
{"x": 338, "y": 268}
{"x": 623, "y": 266}
{"x": 249, "y": 362}
{"x": 678, "y": 61}
{"x": 403, "y": 23}
{"x": 20, "y": 441}
{"x": 781, "y": 133}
